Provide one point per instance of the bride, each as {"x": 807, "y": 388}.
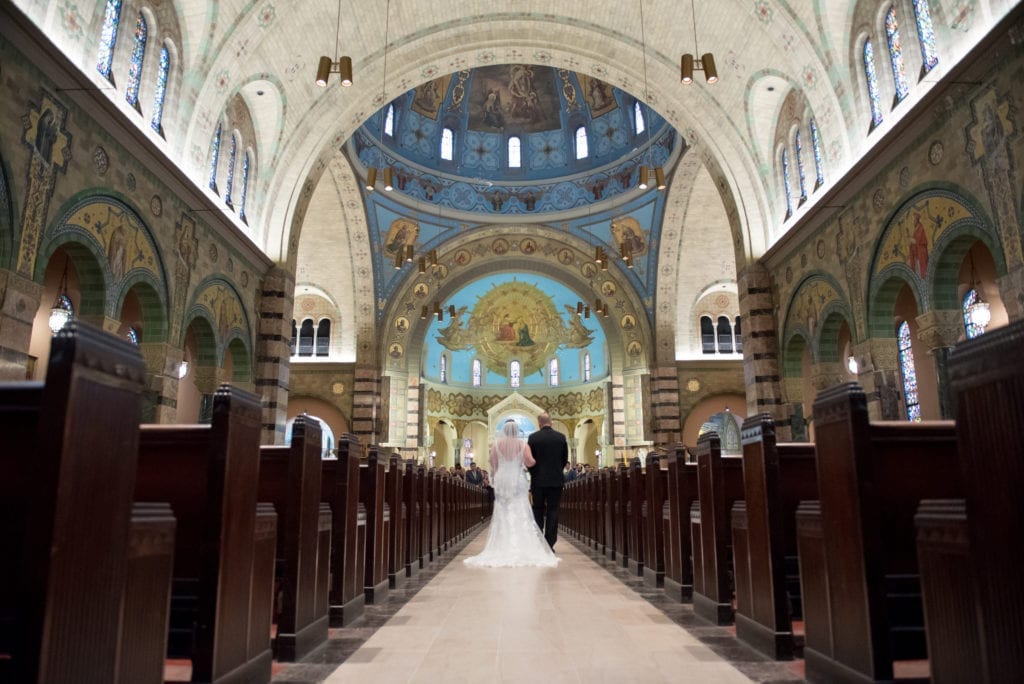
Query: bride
{"x": 514, "y": 539}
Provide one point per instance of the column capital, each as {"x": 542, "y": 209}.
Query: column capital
{"x": 940, "y": 327}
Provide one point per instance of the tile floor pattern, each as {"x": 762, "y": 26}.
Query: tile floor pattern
{"x": 585, "y": 621}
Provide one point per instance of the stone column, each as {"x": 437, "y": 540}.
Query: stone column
{"x": 761, "y": 347}
{"x": 826, "y": 374}
{"x": 110, "y": 325}
{"x": 940, "y": 330}
{"x": 665, "y": 402}
{"x": 878, "y": 373}
{"x": 19, "y": 302}
{"x": 366, "y": 406}
{"x": 272, "y": 355}
{"x": 161, "y": 394}
{"x": 1011, "y": 289}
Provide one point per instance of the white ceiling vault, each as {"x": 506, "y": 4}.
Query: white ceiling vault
{"x": 266, "y": 51}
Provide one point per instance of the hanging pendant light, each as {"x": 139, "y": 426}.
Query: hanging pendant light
{"x": 62, "y": 310}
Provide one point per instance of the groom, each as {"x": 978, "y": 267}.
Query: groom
{"x": 551, "y": 452}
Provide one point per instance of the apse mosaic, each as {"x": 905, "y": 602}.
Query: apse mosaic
{"x": 505, "y": 318}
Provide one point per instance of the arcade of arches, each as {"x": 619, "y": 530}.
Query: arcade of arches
{"x": 834, "y": 208}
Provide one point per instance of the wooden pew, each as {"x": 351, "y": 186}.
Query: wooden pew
{"x": 621, "y": 514}
{"x": 776, "y": 477}
{"x": 290, "y": 479}
{"x": 654, "y": 540}
{"x": 634, "y": 517}
{"x": 681, "y": 494}
{"x": 858, "y": 565}
{"x": 72, "y": 558}
{"x": 378, "y": 525}
{"x": 611, "y": 520}
{"x": 978, "y": 632}
{"x": 412, "y": 493}
{"x": 719, "y": 486}
{"x": 224, "y": 550}
{"x": 395, "y": 498}
{"x": 339, "y": 489}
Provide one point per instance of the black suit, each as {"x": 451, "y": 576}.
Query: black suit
{"x": 551, "y": 452}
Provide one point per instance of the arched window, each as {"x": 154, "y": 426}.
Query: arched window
{"x": 476, "y": 372}
{"x": 443, "y": 367}
{"x": 306, "y": 338}
{"x": 389, "y": 121}
{"x": 581, "y": 143}
{"x": 737, "y": 336}
{"x": 133, "y": 336}
{"x": 970, "y": 327}
{"x": 514, "y": 368}
{"x": 291, "y": 343}
{"x": 872, "y": 79}
{"x": 323, "y": 338}
{"x": 131, "y": 91}
{"x": 925, "y": 35}
{"x": 800, "y": 167}
{"x": 447, "y": 144}
{"x": 724, "y": 335}
{"x": 707, "y": 335}
{"x": 638, "y": 118}
{"x": 515, "y": 155}
{"x": 785, "y": 183}
{"x": 229, "y": 185}
{"x": 586, "y": 366}
{"x": 908, "y": 372}
{"x": 892, "y": 36}
{"x": 245, "y": 185}
{"x": 108, "y": 37}
{"x": 160, "y": 93}
{"x": 214, "y": 157}
{"x": 553, "y": 372}
{"x": 819, "y": 168}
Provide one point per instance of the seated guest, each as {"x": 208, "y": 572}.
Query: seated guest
{"x": 570, "y": 473}
{"x": 474, "y": 475}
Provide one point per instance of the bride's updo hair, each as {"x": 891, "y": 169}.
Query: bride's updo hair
{"x": 510, "y": 429}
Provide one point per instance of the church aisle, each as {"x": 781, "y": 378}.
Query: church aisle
{"x": 575, "y": 623}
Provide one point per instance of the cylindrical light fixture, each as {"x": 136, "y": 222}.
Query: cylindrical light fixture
{"x": 345, "y": 70}
{"x": 371, "y": 178}
{"x": 423, "y": 312}
{"x": 686, "y": 69}
{"x": 586, "y": 312}
{"x": 410, "y": 253}
{"x": 388, "y": 178}
{"x": 597, "y": 254}
{"x": 451, "y": 310}
{"x": 323, "y": 71}
{"x": 398, "y": 260}
{"x": 579, "y": 308}
{"x": 659, "y": 177}
{"x": 707, "y": 63}
{"x": 423, "y": 265}
{"x": 642, "y": 178}
{"x": 624, "y": 250}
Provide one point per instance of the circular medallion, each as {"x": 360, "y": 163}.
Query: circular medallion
{"x": 588, "y": 269}
{"x": 338, "y": 388}
{"x": 878, "y": 199}
{"x": 402, "y": 324}
{"x": 421, "y": 290}
{"x": 528, "y": 246}
{"x": 213, "y": 253}
{"x": 693, "y": 385}
{"x": 156, "y": 205}
{"x": 722, "y": 301}
{"x": 499, "y": 246}
{"x": 628, "y": 322}
{"x": 100, "y": 161}
{"x": 935, "y": 153}
{"x": 396, "y": 351}
{"x": 565, "y": 257}
{"x": 904, "y": 176}
{"x": 308, "y": 304}
{"x": 130, "y": 182}
{"x": 634, "y": 348}
{"x": 230, "y": 265}
{"x": 819, "y": 249}
{"x": 462, "y": 257}
{"x": 608, "y": 288}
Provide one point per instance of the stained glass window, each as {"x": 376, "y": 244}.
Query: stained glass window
{"x": 160, "y": 93}
{"x": 872, "y": 79}
{"x": 232, "y": 151}
{"x": 907, "y": 370}
{"x": 553, "y": 372}
{"x": 800, "y": 167}
{"x": 515, "y": 152}
{"x": 973, "y": 330}
{"x": 925, "y": 35}
{"x": 443, "y": 367}
{"x": 819, "y": 168}
{"x": 586, "y": 366}
{"x": 581, "y": 143}
{"x": 245, "y": 185}
{"x": 133, "y": 336}
{"x": 389, "y": 121}
{"x": 108, "y": 37}
{"x": 892, "y": 36}
{"x": 131, "y": 91}
{"x": 214, "y": 158}
{"x": 638, "y": 118}
{"x": 514, "y": 369}
{"x": 476, "y": 372}
{"x": 785, "y": 184}
{"x": 447, "y": 144}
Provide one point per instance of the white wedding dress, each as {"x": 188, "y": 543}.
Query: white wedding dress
{"x": 514, "y": 539}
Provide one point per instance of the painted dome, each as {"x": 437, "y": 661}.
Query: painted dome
{"x": 514, "y": 139}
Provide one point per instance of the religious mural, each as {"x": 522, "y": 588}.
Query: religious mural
{"x": 913, "y": 232}
{"x": 401, "y": 233}
{"x": 515, "y": 320}
{"x": 808, "y": 304}
{"x": 428, "y": 97}
{"x": 627, "y": 231}
{"x": 222, "y": 306}
{"x": 523, "y": 96}
{"x": 599, "y": 95}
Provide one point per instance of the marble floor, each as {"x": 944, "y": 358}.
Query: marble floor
{"x": 584, "y": 621}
